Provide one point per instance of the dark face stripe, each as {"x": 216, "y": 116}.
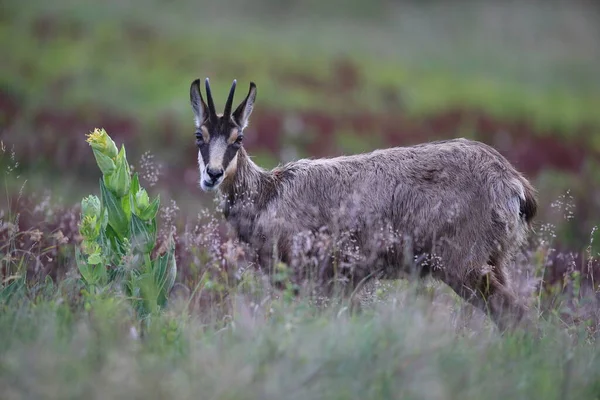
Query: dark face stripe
{"x": 229, "y": 155}
{"x": 204, "y": 152}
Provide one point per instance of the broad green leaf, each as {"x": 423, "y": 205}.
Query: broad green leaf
{"x": 150, "y": 292}
{"x": 132, "y": 191}
{"x": 104, "y": 218}
{"x": 14, "y": 287}
{"x": 165, "y": 271}
{"x": 135, "y": 184}
{"x": 126, "y": 204}
{"x": 84, "y": 269}
{"x": 109, "y": 242}
{"x": 95, "y": 259}
{"x": 150, "y": 212}
{"x": 99, "y": 273}
{"x": 93, "y": 271}
{"x": 141, "y": 289}
{"x": 105, "y": 163}
{"x": 143, "y": 235}
{"x": 117, "y": 218}
{"x": 119, "y": 181}
{"x": 82, "y": 264}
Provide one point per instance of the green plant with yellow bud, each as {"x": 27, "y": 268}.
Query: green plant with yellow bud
{"x": 119, "y": 233}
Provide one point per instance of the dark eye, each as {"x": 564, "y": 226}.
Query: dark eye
{"x": 199, "y": 139}
{"x": 239, "y": 140}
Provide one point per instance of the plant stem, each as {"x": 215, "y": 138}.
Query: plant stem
{"x": 148, "y": 262}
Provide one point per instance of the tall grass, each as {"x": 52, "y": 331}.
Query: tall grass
{"x": 405, "y": 347}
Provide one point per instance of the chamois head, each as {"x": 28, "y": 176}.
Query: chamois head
{"x": 219, "y": 136}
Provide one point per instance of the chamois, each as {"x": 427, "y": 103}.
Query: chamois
{"x": 453, "y": 209}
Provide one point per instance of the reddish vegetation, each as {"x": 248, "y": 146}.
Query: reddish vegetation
{"x": 57, "y": 137}
{"x": 268, "y": 127}
{"x": 48, "y": 233}
{"x": 83, "y": 120}
{"x": 9, "y": 109}
{"x": 43, "y": 236}
{"x": 563, "y": 262}
{"x": 345, "y": 78}
{"x": 46, "y": 28}
{"x": 530, "y": 151}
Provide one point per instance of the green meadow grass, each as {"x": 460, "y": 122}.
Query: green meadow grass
{"x": 139, "y": 59}
{"x": 403, "y": 348}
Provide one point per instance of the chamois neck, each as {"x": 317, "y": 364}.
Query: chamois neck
{"x": 248, "y": 182}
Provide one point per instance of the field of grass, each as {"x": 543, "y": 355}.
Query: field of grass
{"x": 401, "y": 349}
{"x": 334, "y": 77}
{"x": 226, "y": 333}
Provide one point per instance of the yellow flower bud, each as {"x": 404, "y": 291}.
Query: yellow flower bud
{"x": 99, "y": 140}
{"x": 89, "y": 227}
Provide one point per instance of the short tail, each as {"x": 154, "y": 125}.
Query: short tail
{"x": 528, "y": 205}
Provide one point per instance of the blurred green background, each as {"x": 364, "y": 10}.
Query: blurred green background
{"x": 334, "y": 77}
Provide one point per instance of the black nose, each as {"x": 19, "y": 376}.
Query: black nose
{"x": 214, "y": 174}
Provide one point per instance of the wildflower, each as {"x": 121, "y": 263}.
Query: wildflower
{"x": 105, "y": 150}
{"x": 61, "y": 238}
{"x": 89, "y": 227}
{"x": 90, "y": 206}
{"x": 88, "y": 247}
{"x": 101, "y": 142}
{"x": 9, "y": 228}
{"x": 150, "y": 170}
{"x": 94, "y": 252}
{"x": 35, "y": 235}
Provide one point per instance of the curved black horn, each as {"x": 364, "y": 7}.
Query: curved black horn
{"x": 211, "y": 104}
{"x": 229, "y": 104}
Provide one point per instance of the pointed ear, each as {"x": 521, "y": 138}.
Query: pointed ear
{"x": 242, "y": 113}
{"x": 198, "y": 104}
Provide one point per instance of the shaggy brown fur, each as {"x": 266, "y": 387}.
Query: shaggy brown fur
{"x": 455, "y": 209}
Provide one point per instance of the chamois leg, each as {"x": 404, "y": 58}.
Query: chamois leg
{"x": 488, "y": 290}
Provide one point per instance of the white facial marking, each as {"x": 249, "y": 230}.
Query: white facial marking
{"x": 203, "y": 176}
{"x": 216, "y": 153}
